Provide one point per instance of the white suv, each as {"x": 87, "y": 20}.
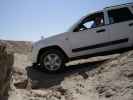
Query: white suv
{"x": 105, "y": 30}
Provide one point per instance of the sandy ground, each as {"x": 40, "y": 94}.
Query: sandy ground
{"x": 98, "y": 78}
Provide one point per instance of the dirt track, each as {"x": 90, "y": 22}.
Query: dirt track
{"x": 99, "y": 78}
{"x": 72, "y": 84}
{"x": 48, "y": 80}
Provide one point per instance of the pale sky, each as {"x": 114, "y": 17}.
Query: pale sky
{"x": 30, "y": 19}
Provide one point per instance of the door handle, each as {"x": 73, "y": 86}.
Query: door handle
{"x": 101, "y": 30}
{"x": 131, "y": 24}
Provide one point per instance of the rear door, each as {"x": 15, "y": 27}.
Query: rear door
{"x": 120, "y": 26}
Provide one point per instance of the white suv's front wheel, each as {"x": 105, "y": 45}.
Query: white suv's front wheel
{"x": 52, "y": 60}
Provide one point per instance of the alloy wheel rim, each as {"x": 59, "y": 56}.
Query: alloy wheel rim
{"x": 52, "y": 62}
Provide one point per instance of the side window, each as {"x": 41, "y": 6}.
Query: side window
{"x": 120, "y": 15}
{"x": 92, "y": 21}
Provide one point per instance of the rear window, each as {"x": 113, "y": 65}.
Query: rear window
{"x": 119, "y": 15}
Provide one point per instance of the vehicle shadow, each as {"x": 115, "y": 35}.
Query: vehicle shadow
{"x": 45, "y": 80}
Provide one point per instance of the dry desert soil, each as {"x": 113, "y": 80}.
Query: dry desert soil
{"x": 99, "y": 78}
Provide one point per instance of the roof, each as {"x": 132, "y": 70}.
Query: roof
{"x": 107, "y": 8}
{"x": 121, "y": 5}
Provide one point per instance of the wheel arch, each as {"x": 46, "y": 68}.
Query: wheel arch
{"x": 55, "y": 47}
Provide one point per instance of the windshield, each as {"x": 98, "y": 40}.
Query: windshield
{"x": 71, "y": 29}
{"x": 75, "y": 24}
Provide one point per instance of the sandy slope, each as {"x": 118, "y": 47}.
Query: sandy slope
{"x": 90, "y": 79}
{"x": 109, "y": 80}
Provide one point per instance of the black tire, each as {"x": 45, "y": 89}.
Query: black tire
{"x": 36, "y": 66}
{"x": 52, "y": 51}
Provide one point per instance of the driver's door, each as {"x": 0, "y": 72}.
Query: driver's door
{"x": 89, "y": 40}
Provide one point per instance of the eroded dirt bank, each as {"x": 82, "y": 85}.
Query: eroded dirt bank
{"x": 90, "y": 79}
{"x": 108, "y": 80}
{"x": 6, "y": 66}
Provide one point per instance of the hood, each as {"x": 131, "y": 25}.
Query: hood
{"x": 51, "y": 40}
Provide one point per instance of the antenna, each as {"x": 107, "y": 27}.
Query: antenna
{"x": 42, "y": 37}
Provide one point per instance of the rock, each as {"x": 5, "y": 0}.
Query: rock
{"x": 40, "y": 93}
{"x": 6, "y": 63}
{"x": 108, "y": 80}
{"x": 22, "y": 84}
{"x": 22, "y": 47}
